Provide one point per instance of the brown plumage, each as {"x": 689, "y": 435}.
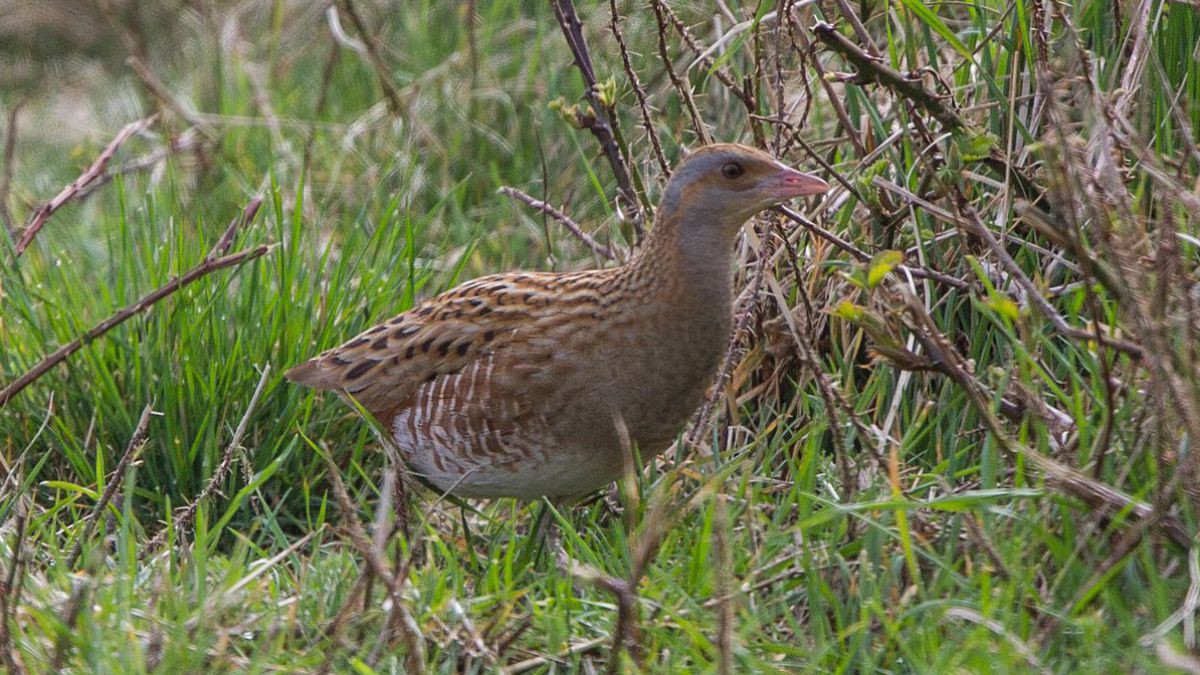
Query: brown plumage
{"x": 523, "y": 384}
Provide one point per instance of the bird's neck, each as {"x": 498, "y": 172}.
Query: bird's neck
{"x": 689, "y": 255}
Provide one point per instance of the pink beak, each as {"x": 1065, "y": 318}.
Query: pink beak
{"x": 788, "y": 183}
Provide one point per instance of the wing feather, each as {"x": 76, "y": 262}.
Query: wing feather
{"x": 383, "y": 366}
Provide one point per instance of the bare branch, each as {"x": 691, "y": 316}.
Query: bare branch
{"x": 84, "y": 180}
{"x": 409, "y": 631}
{"x": 184, "y": 520}
{"x": 598, "y": 123}
{"x": 566, "y": 221}
{"x": 1096, "y": 494}
{"x": 137, "y": 441}
{"x": 871, "y": 69}
{"x": 208, "y": 266}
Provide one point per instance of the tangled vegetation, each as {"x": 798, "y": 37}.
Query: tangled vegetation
{"x": 953, "y": 431}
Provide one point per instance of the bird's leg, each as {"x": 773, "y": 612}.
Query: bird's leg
{"x": 546, "y": 533}
{"x": 547, "y": 530}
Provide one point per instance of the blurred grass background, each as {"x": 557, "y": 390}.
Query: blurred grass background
{"x": 855, "y": 515}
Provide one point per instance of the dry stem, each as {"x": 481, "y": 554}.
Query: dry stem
{"x": 210, "y": 264}
{"x": 598, "y": 123}
{"x": 68, "y": 193}
{"x": 137, "y": 441}
{"x": 566, "y": 221}
{"x": 183, "y": 521}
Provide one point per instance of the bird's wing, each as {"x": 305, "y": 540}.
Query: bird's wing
{"x": 384, "y": 367}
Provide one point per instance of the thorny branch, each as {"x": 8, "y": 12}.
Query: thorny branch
{"x": 409, "y": 631}
{"x": 183, "y": 521}
{"x": 216, "y": 260}
{"x": 870, "y": 69}
{"x": 638, "y": 91}
{"x": 947, "y": 361}
{"x": 93, "y": 172}
{"x": 566, "y": 221}
{"x": 137, "y": 441}
{"x": 598, "y": 122}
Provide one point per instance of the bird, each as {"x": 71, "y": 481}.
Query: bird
{"x": 540, "y": 385}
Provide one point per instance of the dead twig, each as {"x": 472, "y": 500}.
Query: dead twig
{"x": 723, "y": 589}
{"x": 371, "y": 46}
{"x": 598, "y": 122}
{"x": 68, "y": 193}
{"x": 538, "y": 661}
{"x": 1095, "y": 494}
{"x": 872, "y": 70}
{"x": 183, "y": 521}
{"x": 6, "y": 174}
{"x": 137, "y": 441}
{"x": 975, "y": 226}
{"x": 566, "y": 221}
{"x": 190, "y": 139}
{"x": 414, "y": 660}
{"x": 213, "y": 262}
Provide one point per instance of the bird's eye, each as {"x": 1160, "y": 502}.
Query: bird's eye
{"x": 732, "y": 170}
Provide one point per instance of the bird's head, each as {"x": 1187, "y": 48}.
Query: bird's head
{"x": 729, "y": 183}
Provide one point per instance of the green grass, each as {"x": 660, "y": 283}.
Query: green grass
{"x": 932, "y": 551}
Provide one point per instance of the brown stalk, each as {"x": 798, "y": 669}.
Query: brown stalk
{"x": 970, "y": 222}
{"x": 975, "y": 226}
{"x": 183, "y": 521}
{"x": 6, "y": 174}
{"x": 137, "y": 441}
{"x": 377, "y": 63}
{"x": 856, "y": 252}
{"x": 1095, "y": 494}
{"x": 213, "y": 262}
{"x": 872, "y": 70}
{"x": 833, "y": 400}
{"x": 539, "y": 661}
{"x": 10, "y": 595}
{"x": 598, "y": 122}
{"x": 624, "y": 591}
{"x": 190, "y": 139}
{"x": 638, "y": 91}
{"x": 723, "y": 587}
{"x": 414, "y": 660}
{"x": 565, "y": 220}
{"x": 90, "y": 175}
{"x": 915, "y": 271}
